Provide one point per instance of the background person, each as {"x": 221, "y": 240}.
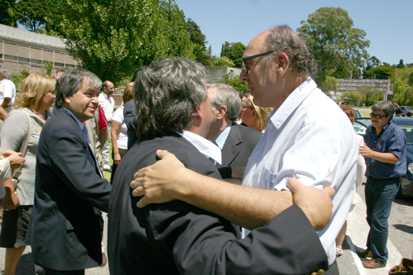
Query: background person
{"x": 7, "y": 95}
{"x": 119, "y": 129}
{"x": 235, "y": 141}
{"x": 385, "y": 153}
{"x": 253, "y": 116}
{"x": 107, "y": 102}
{"x": 23, "y": 126}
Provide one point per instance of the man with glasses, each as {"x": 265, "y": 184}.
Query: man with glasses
{"x": 307, "y": 136}
{"x": 385, "y": 153}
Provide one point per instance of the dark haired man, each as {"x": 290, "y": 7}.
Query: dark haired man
{"x": 175, "y": 113}
{"x": 70, "y": 189}
{"x": 385, "y": 153}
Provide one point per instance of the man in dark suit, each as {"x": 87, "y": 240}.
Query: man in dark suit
{"x": 70, "y": 190}
{"x": 175, "y": 237}
{"x": 235, "y": 141}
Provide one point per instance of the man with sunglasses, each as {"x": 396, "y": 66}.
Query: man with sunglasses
{"x": 385, "y": 153}
{"x": 307, "y": 136}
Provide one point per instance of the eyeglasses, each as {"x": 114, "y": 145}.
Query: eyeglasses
{"x": 245, "y": 59}
{"x": 377, "y": 115}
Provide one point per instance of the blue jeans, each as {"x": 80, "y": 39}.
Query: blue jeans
{"x": 379, "y": 197}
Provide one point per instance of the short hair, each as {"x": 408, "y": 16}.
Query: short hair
{"x": 349, "y": 111}
{"x": 284, "y": 39}
{"x": 386, "y": 107}
{"x": 128, "y": 92}
{"x": 4, "y": 74}
{"x": 227, "y": 96}
{"x": 71, "y": 81}
{"x": 166, "y": 94}
{"x": 33, "y": 88}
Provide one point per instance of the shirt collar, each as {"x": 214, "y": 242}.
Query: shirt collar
{"x": 206, "y": 147}
{"x": 70, "y": 113}
{"x": 222, "y": 137}
{"x": 291, "y": 103}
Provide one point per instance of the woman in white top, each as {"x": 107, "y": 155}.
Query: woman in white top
{"x": 360, "y": 178}
{"x": 119, "y": 130}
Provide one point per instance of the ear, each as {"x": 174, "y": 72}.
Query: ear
{"x": 196, "y": 116}
{"x": 221, "y": 112}
{"x": 67, "y": 100}
{"x": 283, "y": 62}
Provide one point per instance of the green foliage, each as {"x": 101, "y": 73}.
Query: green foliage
{"x": 222, "y": 61}
{"x": 339, "y": 48}
{"x": 329, "y": 84}
{"x": 403, "y": 86}
{"x": 113, "y": 38}
{"x": 18, "y": 77}
{"x": 236, "y": 83}
{"x": 379, "y": 72}
{"x": 198, "y": 42}
{"x": 365, "y": 96}
{"x": 7, "y": 12}
{"x": 48, "y": 67}
{"x": 233, "y": 51}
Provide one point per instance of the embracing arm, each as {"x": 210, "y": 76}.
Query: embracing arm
{"x": 249, "y": 207}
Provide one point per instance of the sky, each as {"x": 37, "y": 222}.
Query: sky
{"x": 388, "y": 24}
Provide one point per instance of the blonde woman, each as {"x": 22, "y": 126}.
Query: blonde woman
{"x": 23, "y": 125}
{"x": 252, "y": 115}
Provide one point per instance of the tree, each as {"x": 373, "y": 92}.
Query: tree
{"x": 7, "y": 16}
{"x": 337, "y": 46}
{"x": 198, "y": 42}
{"x": 233, "y": 51}
{"x": 31, "y": 14}
{"x": 379, "y": 72}
{"x": 113, "y": 38}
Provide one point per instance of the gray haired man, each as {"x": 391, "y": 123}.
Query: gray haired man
{"x": 177, "y": 238}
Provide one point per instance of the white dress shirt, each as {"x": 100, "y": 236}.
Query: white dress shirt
{"x": 108, "y": 105}
{"x": 222, "y": 137}
{"x": 310, "y": 137}
{"x": 206, "y": 147}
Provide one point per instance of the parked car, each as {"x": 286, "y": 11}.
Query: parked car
{"x": 406, "y": 123}
{"x": 404, "y": 111}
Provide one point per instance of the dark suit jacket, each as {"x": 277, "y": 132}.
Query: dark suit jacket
{"x": 130, "y": 118}
{"x": 239, "y": 145}
{"x": 67, "y": 225}
{"x": 177, "y": 238}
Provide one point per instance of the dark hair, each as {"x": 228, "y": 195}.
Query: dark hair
{"x": 70, "y": 82}
{"x": 386, "y": 107}
{"x": 284, "y": 39}
{"x": 166, "y": 94}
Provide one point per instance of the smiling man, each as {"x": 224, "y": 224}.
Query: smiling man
{"x": 70, "y": 190}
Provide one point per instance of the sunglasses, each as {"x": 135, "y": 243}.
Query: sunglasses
{"x": 377, "y": 115}
{"x": 245, "y": 59}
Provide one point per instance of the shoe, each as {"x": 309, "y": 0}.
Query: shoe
{"x": 365, "y": 254}
{"x": 339, "y": 252}
{"x": 372, "y": 263}
{"x": 404, "y": 268}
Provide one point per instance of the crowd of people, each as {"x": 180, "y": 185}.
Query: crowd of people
{"x": 203, "y": 181}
